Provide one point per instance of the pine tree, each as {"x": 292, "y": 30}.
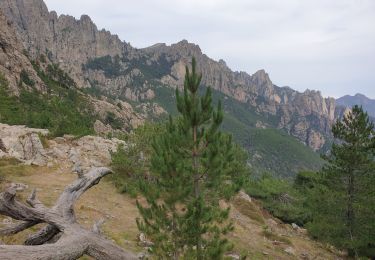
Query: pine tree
{"x": 344, "y": 209}
{"x": 195, "y": 166}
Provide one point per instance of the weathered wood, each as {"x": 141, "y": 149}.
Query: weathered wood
{"x": 62, "y": 238}
{"x": 14, "y": 229}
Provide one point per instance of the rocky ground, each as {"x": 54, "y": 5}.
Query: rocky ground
{"x": 47, "y": 165}
{"x": 32, "y": 147}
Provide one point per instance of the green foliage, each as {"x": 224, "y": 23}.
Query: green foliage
{"x": 165, "y": 96}
{"x": 343, "y": 201}
{"x": 58, "y": 75}
{"x": 61, "y": 110}
{"x": 278, "y": 152}
{"x": 194, "y": 166}
{"x": 271, "y": 150}
{"x": 110, "y": 66}
{"x": 280, "y": 198}
{"x": 43, "y": 58}
{"x": 131, "y": 164}
{"x": 114, "y": 121}
{"x": 307, "y": 180}
{"x": 25, "y": 78}
{"x": 150, "y": 69}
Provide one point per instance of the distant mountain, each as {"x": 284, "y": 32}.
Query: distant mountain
{"x": 359, "y": 99}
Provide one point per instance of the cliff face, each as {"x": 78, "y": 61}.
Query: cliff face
{"x": 12, "y": 57}
{"x": 100, "y": 60}
{"x": 63, "y": 39}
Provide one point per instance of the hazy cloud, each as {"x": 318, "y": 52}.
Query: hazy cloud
{"x": 318, "y": 44}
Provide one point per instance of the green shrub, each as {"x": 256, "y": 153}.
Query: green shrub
{"x": 114, "y": 121}
{"x": 280, "y": 198}
{"x": 25, "y": 78}
{"x": 110, "y": 66}
{"x": 61, "y": 110}
{"x": 131, "y": 163}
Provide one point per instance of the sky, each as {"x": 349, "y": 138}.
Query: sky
{"x": 326, "y": 45}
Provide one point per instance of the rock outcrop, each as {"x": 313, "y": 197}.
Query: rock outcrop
{"x": 25, "y": 144}
{"x": 83, "y": 153}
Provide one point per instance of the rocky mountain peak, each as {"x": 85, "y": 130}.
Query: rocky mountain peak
{"x": 186, "y": 48}
{"x": 261, "y": 78}
{"x": 223, "y": 63}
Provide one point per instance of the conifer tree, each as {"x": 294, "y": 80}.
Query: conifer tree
{"x": 344, "y": 208}
{"x": 195, "y": 166}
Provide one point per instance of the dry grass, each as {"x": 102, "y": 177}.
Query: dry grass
{"x": 275, "y": 237}
{"x": 248, "y": 209}
{"x": 120, "y": 212}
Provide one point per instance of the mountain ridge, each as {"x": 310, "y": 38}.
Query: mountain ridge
{"x": 130, "y": 72}
{"x": 368, "y": 104}
{"x": 126, "y": 86}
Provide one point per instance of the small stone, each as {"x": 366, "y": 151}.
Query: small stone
{"x": 271, "y": 222}
{"x": 60, "y": 140}
{"x": 143, "y": 241}
{"x": 295, "y": 226}
{"x": 19, "y": 186}
{"x": 233, "y": 256}
{"x": 290, "y": 251}
{"x": 7, "y": 221}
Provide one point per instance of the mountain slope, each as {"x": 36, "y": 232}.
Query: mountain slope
{"x": 125, "y": 85}
{"x": 38, "y": 93}
{"x": 95, "y": 58}
{"x": 256, "y": 233}
{"x": 358, "y": 99}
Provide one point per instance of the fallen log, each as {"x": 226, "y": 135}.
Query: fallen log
{"x": 62, "y": 238}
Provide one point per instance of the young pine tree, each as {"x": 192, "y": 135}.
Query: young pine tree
{"x": 344, "y": 208}
{"x": 195, "y": 166}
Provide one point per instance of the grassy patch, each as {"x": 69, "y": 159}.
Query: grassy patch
{"x": 280, "y": 198}
{"x": 275, "y": 237}
{"x": 14, "y": 168}
{"x": 248, "y": 209}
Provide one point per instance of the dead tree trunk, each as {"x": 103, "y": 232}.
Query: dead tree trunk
{"x": 62, "y": 238}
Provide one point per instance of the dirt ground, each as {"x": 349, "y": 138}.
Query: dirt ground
{"x": 256, "y": 234}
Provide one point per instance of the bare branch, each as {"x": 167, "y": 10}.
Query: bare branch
{"x": 72, "y": 193}
{"x": 42, "y": 236}
{"x": 14, "y": 229}
{"x": 34, "y": 202}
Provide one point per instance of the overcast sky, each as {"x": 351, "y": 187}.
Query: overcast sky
{"x": 328, "y": 45}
